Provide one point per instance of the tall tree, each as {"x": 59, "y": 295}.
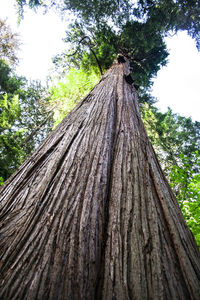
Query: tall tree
{"x": 91, "y": 216}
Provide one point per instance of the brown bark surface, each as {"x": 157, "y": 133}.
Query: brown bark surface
{"x": 91, "y": 216}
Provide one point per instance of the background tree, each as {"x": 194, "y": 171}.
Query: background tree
{"x": 10, "y": 154}
{"x": 185, "y": 182}
{"x": 171, "y": 135}
{"x": 9, "y": 44}
{"x": 25, "y": 118}
{"x": 68, "y": 92}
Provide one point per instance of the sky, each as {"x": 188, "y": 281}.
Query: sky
{"x": 177, "y": 85}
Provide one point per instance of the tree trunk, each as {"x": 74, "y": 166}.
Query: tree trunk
{"x": 91, "y": 216}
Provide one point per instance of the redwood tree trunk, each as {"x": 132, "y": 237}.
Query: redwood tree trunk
{"x": 91, "y": 216}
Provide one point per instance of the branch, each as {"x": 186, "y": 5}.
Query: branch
{"x": 90, "y": 46}
{"x": 100, "y": 69}
{"x": 85, "y": 37}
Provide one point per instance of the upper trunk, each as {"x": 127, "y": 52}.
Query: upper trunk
{"x": 91, "y": 216}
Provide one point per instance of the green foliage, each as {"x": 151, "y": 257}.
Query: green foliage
{"x": 24, "y": 119}
{"x": 8, "y": 81}
{"x": 147, "y": 51}
{"x": 1, "y": 181}
{"x": 35, "y": 4}
{"x": 173, "y": 15}
{"x": 9, "y": 111}
{"x": 100, "y": 44}
{"x": 67, "y": 94}
{"x": 171, "y": 135}
{"x": 11, "y": 155}
{"x": 90, "y": 46}
{"x": 164, "y": 15}
{"x": 185, "y": 181}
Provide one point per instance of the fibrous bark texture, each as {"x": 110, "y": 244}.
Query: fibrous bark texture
{"x": 91, "y": 216}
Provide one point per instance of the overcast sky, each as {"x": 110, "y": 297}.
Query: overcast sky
{"x": 176, "y": 86}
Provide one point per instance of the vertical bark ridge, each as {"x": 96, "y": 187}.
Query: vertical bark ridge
{"x": 90, "y": 214}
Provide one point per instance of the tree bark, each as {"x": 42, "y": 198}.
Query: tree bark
{"x": 91, "y": 216}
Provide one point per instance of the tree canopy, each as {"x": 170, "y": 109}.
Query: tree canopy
{"x": 163, "y": 15}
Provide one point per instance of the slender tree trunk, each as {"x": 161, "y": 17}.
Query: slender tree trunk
{"x": 35, "y": 129}
{"x": 91, "y": 216}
